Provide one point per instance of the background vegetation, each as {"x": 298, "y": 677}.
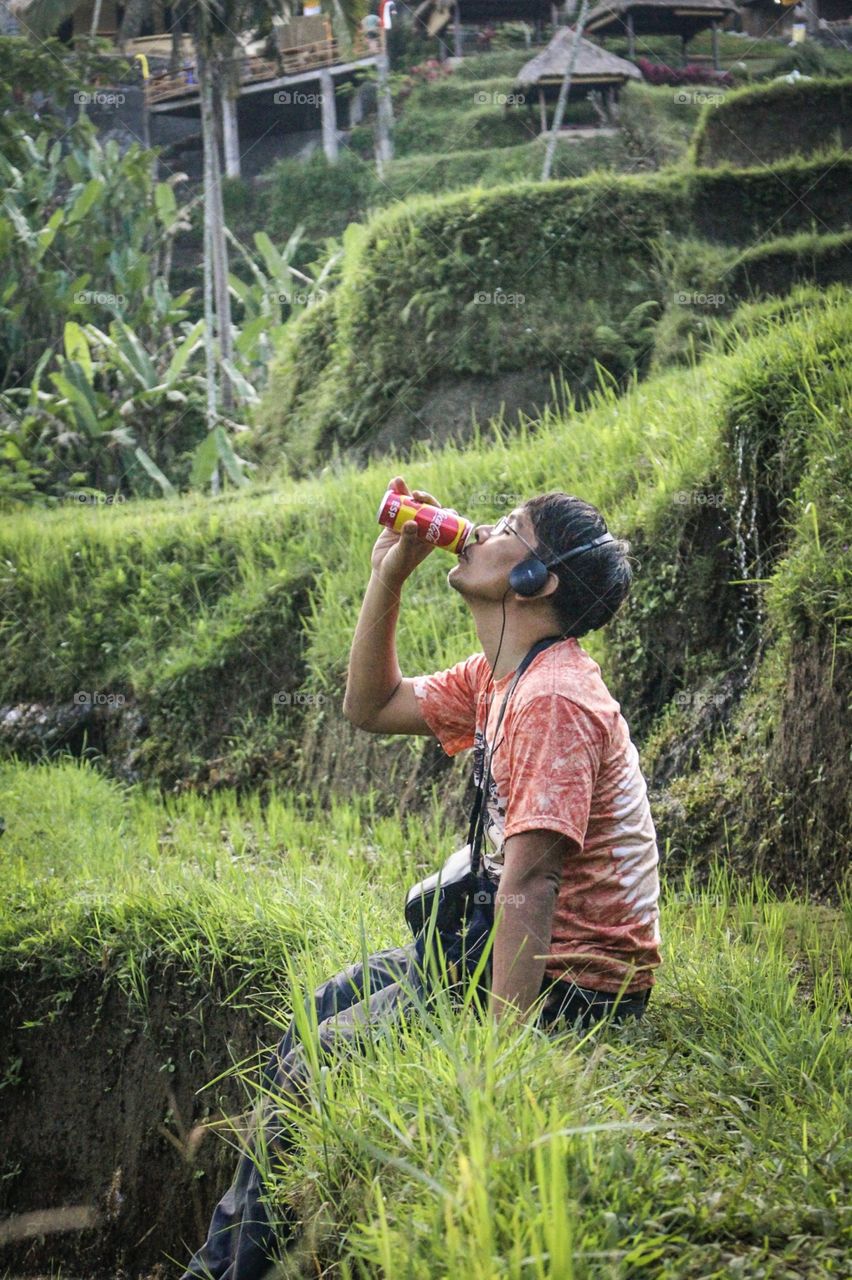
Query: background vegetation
{"x": 193, "y": 837}
{"x": 704, "y": 1141}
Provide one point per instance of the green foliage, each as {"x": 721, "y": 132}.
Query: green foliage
{"x": 753, "y": 125}
{"x": 764, "y": 400}
{"x": 40, "y": 76}
{"x": 413, "y": 277}
{"x": 112, "y": 411}
{"x": 459, "y": 92}
{"x": 424, "y": 126}
{"x": 485, "y": 66}
{"x": 437, "y": 173}
{"x": 778, "y": 265}
{"x": 811, "y": 59}
{"x": 706, "y": 282}
{"x": 451, "y": 1146}
{"x": 742, "y": 206}
{"x": 321, "y": 197}
{"x": 656, "y": 125}
{"x": 111, "y": 399}
{"x": 732, "y": 47}
{"x": 86, "y": 234}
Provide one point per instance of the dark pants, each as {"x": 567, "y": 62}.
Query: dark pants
{"x": 241, "y": 1242}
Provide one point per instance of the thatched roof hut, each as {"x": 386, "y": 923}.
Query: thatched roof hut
{"x": 684, "y": 18}
{"x": 593, "y": 66}
{"x": 593, "y": 69}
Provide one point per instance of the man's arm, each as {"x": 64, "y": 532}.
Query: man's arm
{"x": 377, "y": 698}
{"x": 532, "y": 873}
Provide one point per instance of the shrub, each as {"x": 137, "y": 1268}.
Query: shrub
{"x": 753, "y": 124}
{"x": 693, "y": 73}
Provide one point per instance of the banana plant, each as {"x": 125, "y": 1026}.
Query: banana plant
{"x": 111, "y": 412}
{"x": 276, "y": 292}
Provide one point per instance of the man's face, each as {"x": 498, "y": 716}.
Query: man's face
{"x": 482, "y": 571}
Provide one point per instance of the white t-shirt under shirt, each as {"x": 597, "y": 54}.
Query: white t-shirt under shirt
{"x": 564, "y": 761}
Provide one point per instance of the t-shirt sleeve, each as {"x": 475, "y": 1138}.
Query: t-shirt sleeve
{"x": 555, "y": 749}
{"x": 447, "y": 701}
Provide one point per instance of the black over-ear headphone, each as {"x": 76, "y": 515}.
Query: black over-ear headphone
{"x": 530, "y": 575}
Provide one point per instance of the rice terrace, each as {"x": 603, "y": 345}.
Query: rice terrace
{"x": 426, "y": 669}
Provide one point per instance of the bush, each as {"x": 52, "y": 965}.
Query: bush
{"x": 779, "y": 265}
{"x": 503, "y": 62}
{"x": 693, "y": 73}
{"x": 322, "y": 196}
{"x": 760, "y": 124}
{"x": 811, "y": 60}
{"x": 406, "y": 311}
{"x": 424, "y": 128}
{"x": 734, "y": 205}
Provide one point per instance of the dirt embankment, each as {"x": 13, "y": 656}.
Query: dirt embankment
{"x": 112, "y": 1162}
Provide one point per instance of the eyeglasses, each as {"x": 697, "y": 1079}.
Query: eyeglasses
{"x": 503, "y": 524}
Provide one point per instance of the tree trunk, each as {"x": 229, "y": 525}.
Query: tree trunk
{"x": 328, "y": 112}
{"x": 564, "y": 89}
{"x": 210, "y": 84}
{"x": 384, "y": 121}
{"x": 230, "y": 135}
{"x": 208, "y": 138}
{"x": 96, "y": 19}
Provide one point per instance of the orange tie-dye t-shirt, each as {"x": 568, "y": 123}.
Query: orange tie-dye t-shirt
{"x": 564, "y": 761}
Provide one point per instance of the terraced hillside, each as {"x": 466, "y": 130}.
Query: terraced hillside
{"x": 204, "y": 643}
{"x": 497, "y": 300}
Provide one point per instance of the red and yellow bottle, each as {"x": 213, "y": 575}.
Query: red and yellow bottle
{"x": 441, "y": 526}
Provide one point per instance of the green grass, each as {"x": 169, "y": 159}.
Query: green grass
{"x": 203, "y": 609}
{"x": 109, "y": 589}
{"x": 485, "y": 66}
{"x": 704, "y": 1142}
{"x": 98, "y": 875}
{"x": 446, "y": 140}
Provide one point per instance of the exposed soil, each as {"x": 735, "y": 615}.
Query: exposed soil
{"x": 808, "y": 761}
{"x": 451, "y": 404}
{"x": 141, "y": 1185}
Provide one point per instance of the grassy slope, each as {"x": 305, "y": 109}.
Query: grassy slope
{"x": 111, "y": 590}
{"x": 447, "y": 142}
{"x": 410, "y": 283}
{"x": 703, "y": 1143}
{"x": 203, "y": 612}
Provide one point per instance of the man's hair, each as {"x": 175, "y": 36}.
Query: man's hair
{"x": 592, "y": 586}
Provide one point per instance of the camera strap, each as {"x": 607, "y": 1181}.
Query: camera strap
{"x": 476, "y": 831}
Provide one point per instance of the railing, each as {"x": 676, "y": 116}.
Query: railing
{"x": 319, "y": 53}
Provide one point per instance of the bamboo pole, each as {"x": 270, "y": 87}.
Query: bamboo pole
{"x": 564, "y": 89}
{"x": 384, "y": 121}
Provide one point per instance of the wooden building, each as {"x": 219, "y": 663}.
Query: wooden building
{"x": 684, "y": 18}
{"x": 594, "y": 68}
{"x": 777, "y": 17}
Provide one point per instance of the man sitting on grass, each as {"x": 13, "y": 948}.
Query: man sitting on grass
{"x": 569, "y": 836}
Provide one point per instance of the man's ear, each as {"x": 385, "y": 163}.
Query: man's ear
{"x": 550, "y": 585}
{"x": 551, "y": 582}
